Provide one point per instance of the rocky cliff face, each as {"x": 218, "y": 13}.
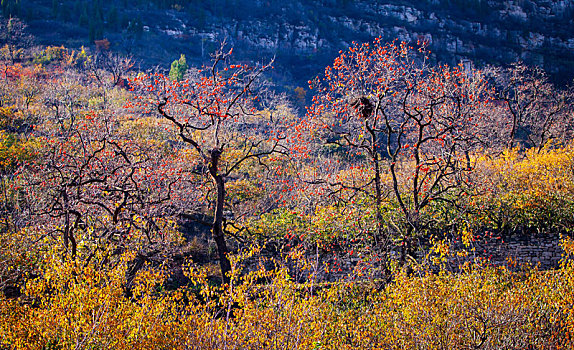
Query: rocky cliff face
{"x": 306, "y": 35}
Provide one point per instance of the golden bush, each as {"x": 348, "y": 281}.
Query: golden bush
{"x": 78, "y": 305}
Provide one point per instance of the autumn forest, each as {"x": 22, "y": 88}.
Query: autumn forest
{"x": 201, "y": 207}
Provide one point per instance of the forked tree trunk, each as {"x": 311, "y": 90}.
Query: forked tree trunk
{"x": 379, "y": 239}
{"x": 217, "y": 227}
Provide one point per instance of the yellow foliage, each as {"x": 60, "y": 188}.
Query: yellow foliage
{"x": 14, "y": 150}
{"x": 534, "y": 188}
{"x": 77, "y": 305}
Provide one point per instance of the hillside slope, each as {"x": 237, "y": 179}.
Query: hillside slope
{"x": 306, "y": 35}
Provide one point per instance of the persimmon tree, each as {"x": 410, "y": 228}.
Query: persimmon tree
{"x": 405, "y": 127}
{"x": 81, "y": 181}
{"x": 214, "y": 112}
{"x": 95, "y": 187}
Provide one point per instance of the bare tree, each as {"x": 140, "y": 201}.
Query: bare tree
{"x": 109, "y": 70}
{"x": 14, "y": 39}
{"x": 536, "y": 110}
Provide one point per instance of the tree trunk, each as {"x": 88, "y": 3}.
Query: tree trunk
{"x": 217, "y": 227}
{"x": 406, "y": 249}
{"x": 379, "y": 201}
{"x": 68, "y": 228}
{"x": 380, "y": 241}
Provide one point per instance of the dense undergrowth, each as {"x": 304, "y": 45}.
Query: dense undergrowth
{"x": 78, "y": 305}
